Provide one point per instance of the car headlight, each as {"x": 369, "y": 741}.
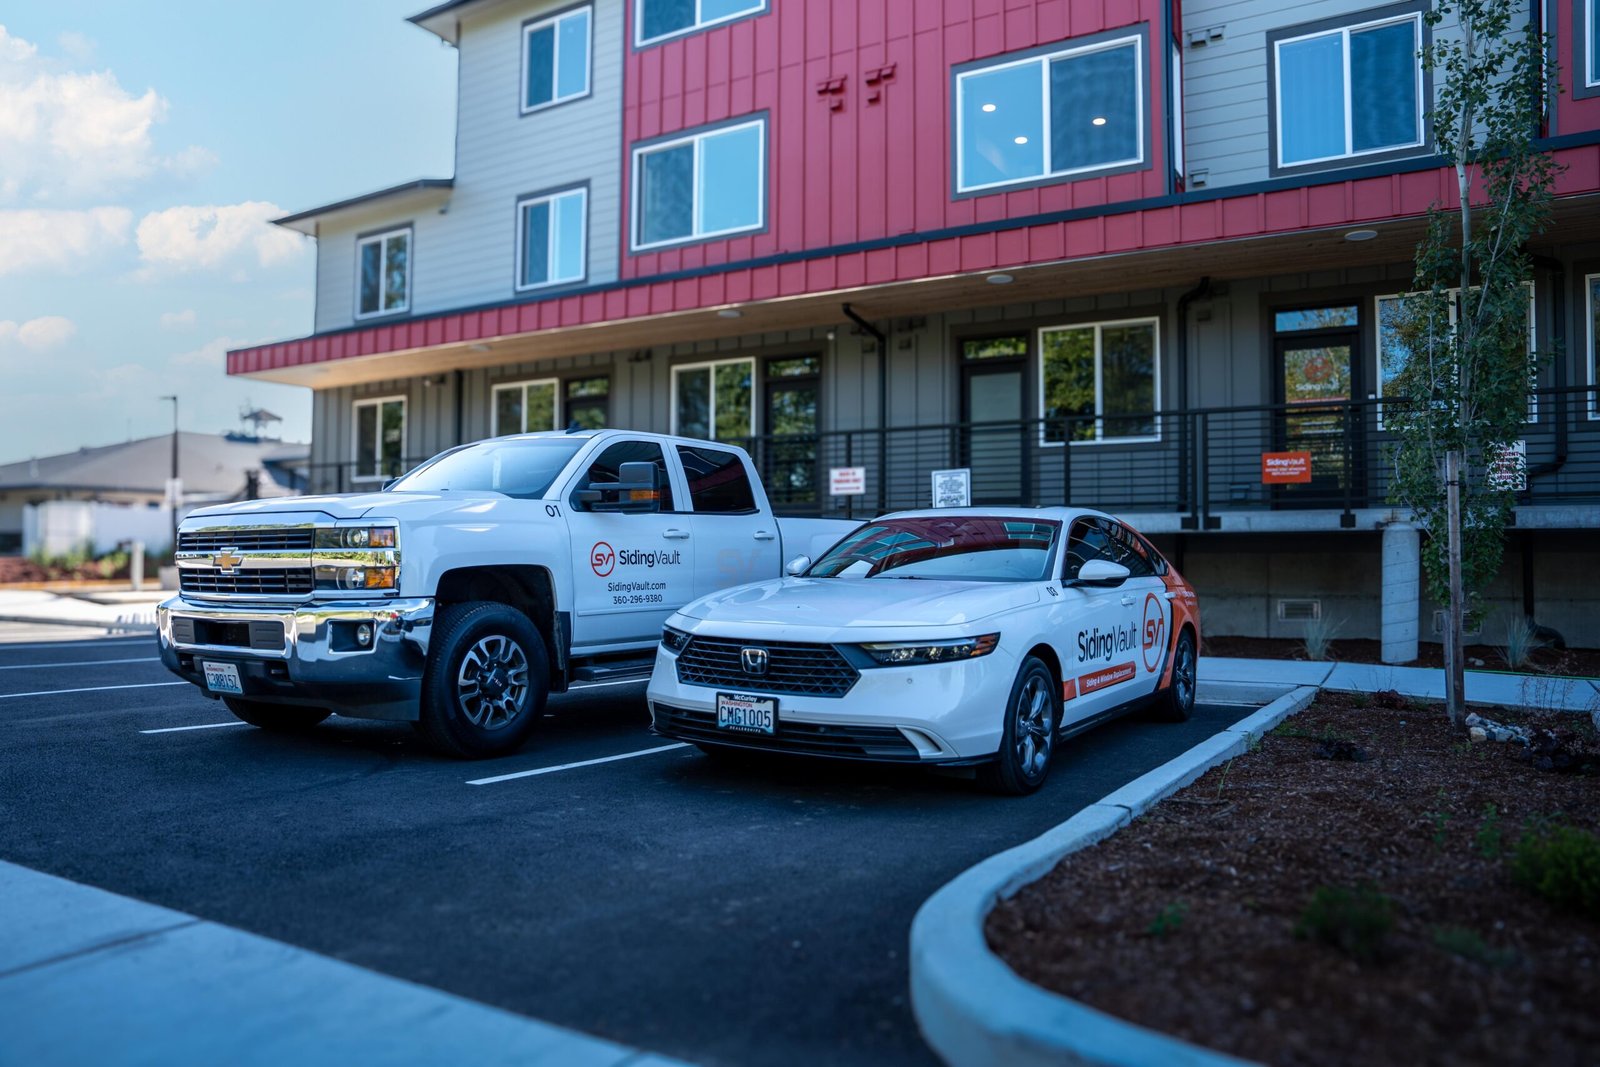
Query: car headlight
{"x": 911, "y": 653}
{"x": 674, "y": 641}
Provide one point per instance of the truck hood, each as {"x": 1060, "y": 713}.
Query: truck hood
{"x": 403, "y": 506}
{"x": 861, "y": 602}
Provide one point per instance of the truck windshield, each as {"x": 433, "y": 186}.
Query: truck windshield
{"x": 965, "y": 548}
{"x": 523, "y": 468}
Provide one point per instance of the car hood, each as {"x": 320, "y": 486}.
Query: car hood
{"x": 861, "y": 602}
{"x": 392, "y": 505}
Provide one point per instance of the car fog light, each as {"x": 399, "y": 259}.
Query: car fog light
{"x": 364, "y": 634}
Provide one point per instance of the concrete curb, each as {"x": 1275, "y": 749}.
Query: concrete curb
{"x": 973, "y": 1010}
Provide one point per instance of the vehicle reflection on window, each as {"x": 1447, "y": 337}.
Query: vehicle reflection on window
{"x": 971, "y": 548}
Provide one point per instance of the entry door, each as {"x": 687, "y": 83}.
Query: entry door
{"x": 789, "y": 461}
{"x": 1315, "y": 382}
{"x": 993, "y": 392}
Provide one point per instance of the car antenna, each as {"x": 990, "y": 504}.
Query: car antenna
{"x": 574, "y": 426}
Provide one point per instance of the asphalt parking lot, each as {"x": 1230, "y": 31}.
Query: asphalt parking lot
{"x": 724, "y": 916}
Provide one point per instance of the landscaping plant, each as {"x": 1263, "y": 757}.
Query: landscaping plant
{"x": 1561, "y": 864}
{"x": 1353, "y": 920}
{"x": 1522, "y": 641}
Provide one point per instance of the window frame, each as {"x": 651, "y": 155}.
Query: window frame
{"x": 1294, "y": 34}
{"x": 550, "y": 196}
{"x": 355, "y": 435}
{"x": 381, "y": 238}
{"x": 1099, "y": 42}
{"x": 556, "y": 384}
{"x": 752, "y": 9}
{"x": 1584, "y": 15}
{"x": 697, "y": 137}
{"x": 1099, "y": 325}
{"x": 554, "y": 19}
{"x": 756, "y": 394}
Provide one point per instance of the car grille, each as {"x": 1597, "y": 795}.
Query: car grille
{"x": 253, "y": 539}
{"x": 807, "y": 738}
{"x": 281, "y": 581}
{"x": 804, "y": 670}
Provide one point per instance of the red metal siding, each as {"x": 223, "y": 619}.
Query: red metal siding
{"x": 1572, "y": 114}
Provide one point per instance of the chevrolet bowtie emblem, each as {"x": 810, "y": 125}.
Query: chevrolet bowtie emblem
{"x": 226, "y": 560}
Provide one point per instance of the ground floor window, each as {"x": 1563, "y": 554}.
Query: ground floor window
{"x": 715, "y": 401}
{"x": 1391, "y": 354}
{"x": 1099, "y": 381}
{"x": 587, "y": 402}
{"x": 789, "y": 454}
{"x": 380, "y": 434}
{"x": 524, "y": 407}
{"x": 1591, "y": 286}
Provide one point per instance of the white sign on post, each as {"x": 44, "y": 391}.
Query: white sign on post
{"x": 952, "y": 488}
{"x": 1509, "y": 468}
{"x": 847, "y": 481}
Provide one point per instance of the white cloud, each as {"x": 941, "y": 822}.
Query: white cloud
{"x": 178, "y": 320}
{"x": 80, "y": 48}
{"x": 216, "y": 236}
{"x": 213, "y": 353}
{"x": 14, "y": 49}
{"x": 38, "y": 335}
{"x": 59, "y": 240}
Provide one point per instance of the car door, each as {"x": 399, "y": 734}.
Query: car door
{"x": 631, "y": 570}
{"x": 736, "y": 537}
{"x": 1146, "y": 594}
{"x": 1101, "y": 666}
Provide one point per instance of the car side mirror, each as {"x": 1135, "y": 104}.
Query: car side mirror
{"x": 637, "y": 492}
{"x": 797, "y": 566}
{"x": 1101, "y": 572}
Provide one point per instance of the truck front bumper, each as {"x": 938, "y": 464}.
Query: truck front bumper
{"x": 306, "y": 655}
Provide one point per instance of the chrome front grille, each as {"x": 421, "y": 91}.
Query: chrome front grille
{"x": 259, "y": 581}
{"x": 246, "y": 561}
{"x": 792, "y": 667}
{"x": 247, "y": 539}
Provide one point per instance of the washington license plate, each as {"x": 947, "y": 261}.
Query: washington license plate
{"x": 222, "y": 677}
{"x": 747, "y": 714}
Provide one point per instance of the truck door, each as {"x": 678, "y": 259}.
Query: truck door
{"x": 735, "y": 534}
{"x": 1102, "y": 664}
{"x": 632, "y": 569}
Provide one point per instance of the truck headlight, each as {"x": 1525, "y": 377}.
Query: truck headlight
{"x": 354, "y": 579}
{"x": 356, "y": 559}
{"x": 912, "y": 653}
{"x": 674, "y": 641}
{"x": 345, "y": 537}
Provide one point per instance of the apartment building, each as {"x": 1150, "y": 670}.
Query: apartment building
{"x": 1127, "y": 253}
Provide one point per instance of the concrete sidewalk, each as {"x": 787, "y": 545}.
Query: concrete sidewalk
{"x": 1537, "y": 691}
{"x": 115, "y": 612}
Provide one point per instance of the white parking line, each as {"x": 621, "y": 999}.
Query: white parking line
{"x": 90, "y": 689}
{"x": 78, "y": 663}
{"x": 74, "y": 644}
{"x": 205, "y": 726}
{"x": 580, "y": 763}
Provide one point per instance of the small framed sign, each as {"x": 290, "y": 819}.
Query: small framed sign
{"x": 952, "y": 488}
{"x": 847, "y": 481}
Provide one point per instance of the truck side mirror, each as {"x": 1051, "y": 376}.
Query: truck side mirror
{"x": 638, "y": 491}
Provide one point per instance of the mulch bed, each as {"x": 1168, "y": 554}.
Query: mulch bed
{"x": 1185, "y": 921}
{"x": 1571, "y": 662}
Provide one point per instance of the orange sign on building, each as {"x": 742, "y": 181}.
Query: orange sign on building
{"x": 1285, "y": 468}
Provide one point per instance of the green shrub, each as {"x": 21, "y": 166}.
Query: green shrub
{"x": 1561, "y": 864}
{"x": 1459, "y": 941}
{"x": 1169, "y": 920}
{"x": 1489, "y": 839}
{"x": 1354, "y": 921}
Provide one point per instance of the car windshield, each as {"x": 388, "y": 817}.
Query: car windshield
{"x": 964, "y": 548}
{"x": 518, "y": 467}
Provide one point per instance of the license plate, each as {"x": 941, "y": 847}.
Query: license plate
{"x": 747, "y": 714}
{"x": 222, "y": 677}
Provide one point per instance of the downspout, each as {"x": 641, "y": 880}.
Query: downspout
{"x": 883, "y": 402}
{"x": 1199, "y": 292}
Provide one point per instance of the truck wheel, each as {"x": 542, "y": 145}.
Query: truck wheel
{"x": 279, "y": 718}
{"x": 485, "y": 683}
{"x": 1176, "y": 701}
{"x": 1033, "y": 715}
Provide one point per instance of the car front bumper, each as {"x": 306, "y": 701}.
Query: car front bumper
{"x": 302, "y": 655}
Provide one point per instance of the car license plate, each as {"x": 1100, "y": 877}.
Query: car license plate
{"x": 222, "y": 677}
{"x": 747, "y": 714}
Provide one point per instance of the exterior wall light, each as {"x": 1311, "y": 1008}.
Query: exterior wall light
{"x": 1360, "y": 235}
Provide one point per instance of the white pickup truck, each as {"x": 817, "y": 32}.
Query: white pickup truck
{"x": 465, "y": 592}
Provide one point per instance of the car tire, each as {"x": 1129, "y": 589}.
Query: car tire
{"x": 1027, "y": 745}
{"x": 279, "y": 718}
{"x": 1175, "y": 703}
{"x": 486, "y": 681}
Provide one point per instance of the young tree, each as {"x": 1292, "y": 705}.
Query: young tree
{"x": 1462, "y": 360}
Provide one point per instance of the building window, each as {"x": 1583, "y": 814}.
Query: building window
{"x": 555, "y": 59}
{"x": 715, "y": 401}
{"x": 525, "y": 407}
{"x": 658, "y": 20}
{"x": 1588, "y": 36}
{"x": 1066, "y": 112}
{"x": 587, "y": 402}
{"x": 1391, "y": 352}
{"x": 1099, "y": 382}
{"x": 380, "y": 438}
{"x": 1591, "y": 288}
{"x": 383, "y": 264}
{"x": 552, "y": 234}
{"x": 789, "y": 452}
{"x": 704, "y": 185}
{"x": 1348, "y": 91}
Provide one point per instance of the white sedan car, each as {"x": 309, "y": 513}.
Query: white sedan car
{"x": 953, "y": 637}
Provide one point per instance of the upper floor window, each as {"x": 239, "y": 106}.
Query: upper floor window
{"x": 1348, "y": 91}
{"x": 1100, "y": 381}
{"x": 383, "y": 263}
{"x": 657, "y": 20}
{"x": 551, "y": 238}
{"x": 555, "y": 59}
{"x": 380, "y": 438}
{"x": 1051, "y": 114}
{"x": 524, "y": 407}
{"x": 707, "y": 184}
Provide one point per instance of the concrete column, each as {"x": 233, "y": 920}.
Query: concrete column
{"x": 1402, "y": 591}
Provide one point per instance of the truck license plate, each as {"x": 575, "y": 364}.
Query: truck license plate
{"x": 222, "y": 677}
{"x": 747, "y": 714}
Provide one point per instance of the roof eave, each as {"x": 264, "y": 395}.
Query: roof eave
{"x": 306, "y": 221}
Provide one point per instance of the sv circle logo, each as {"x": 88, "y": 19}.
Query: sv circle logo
{"x": 602, "y": 559}
{"x": 1154, "y": 630}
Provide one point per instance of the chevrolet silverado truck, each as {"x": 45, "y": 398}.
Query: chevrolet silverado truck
{"x": 460, "y": 595}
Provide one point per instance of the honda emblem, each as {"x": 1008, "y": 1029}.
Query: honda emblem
{"x": 755, "y": 660}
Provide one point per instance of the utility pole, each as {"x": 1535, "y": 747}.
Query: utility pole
{"x": 174, "y": 486}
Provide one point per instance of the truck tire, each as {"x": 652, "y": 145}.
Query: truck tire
{"x": 486, "y": 681}
{"x": 279, "y": 718}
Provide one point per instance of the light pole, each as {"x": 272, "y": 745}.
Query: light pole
{"x": 173, "y": 490}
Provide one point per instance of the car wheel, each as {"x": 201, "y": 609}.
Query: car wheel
{"x": 279, "y": 718}
{"x": 1175, "y": 703}
{"x": 486, "y": 681}
{"x": 1027, "y": 745}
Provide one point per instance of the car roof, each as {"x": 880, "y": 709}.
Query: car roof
{"x": 1057, "y": 513}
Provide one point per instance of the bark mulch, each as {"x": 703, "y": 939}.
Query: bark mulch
{"x": 1569, "y": 662}
{"x": 1185, "y": 921}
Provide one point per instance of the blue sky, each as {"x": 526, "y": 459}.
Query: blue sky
{"x": 142, "y": 148}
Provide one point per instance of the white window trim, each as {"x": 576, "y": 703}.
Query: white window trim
{"x": 698, "y": 139}
{"x": 1177, "y": 166}
{"x": 1415, "y": 18}
{"x": 1043, "y": 61}
{"x": 382, "y": 240}
{"x": 555, "y": 62}
{"x": 700, "y": 21}
{"x": 711, "y": 400}
{"x": 583, "y": 238}
{"x": 505, "y": 387}
{"x": 1590, "y": 282}
{"x": 1099, "y": 398}
{"x": 355, "y": 434}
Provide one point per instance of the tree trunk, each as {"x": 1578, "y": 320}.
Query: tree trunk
{"x": 1455, "y": 701}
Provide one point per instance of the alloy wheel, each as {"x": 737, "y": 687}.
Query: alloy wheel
{"x": 492, "y": 684}
{"x": 1035, "y": 727}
